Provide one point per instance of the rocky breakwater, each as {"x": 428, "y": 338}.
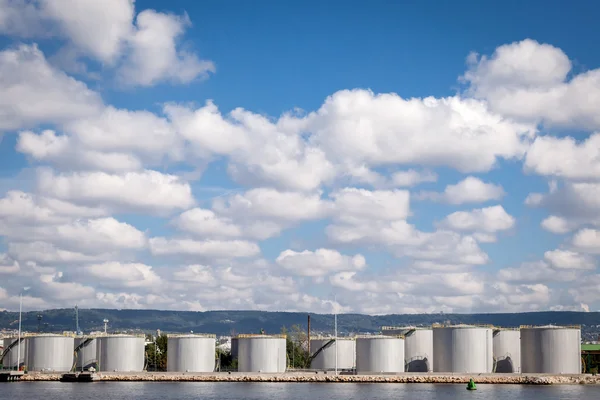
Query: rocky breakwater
{"x": 329, "y": 378}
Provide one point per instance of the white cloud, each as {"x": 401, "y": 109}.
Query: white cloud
{"x": 8, "y": 265}
{"x": 359, "y": 126}
{"x": 145, "y": 53}
{"x": 61, "y": 151}
{"x": 556, "y": 225}
{"x": 587, "y": 241}
{"x": 351, "y": 204}
{"x": 47, "y": 253}
{"x": 568, "y": 259}
{"x": 261, "y": 152}
{"x": 469, "y": 190}
{"x": 33, "y": 92}
{"x": 124, "y": 275}
{"x": 537, "y": 272}
{"x": 96, "y": 28}
{"x": 565, "y": 158}
{"x": 571, "y": 205}
{"x": 413, "y": 177}
{"x": 273, "y": 204}
{"x": 530, "y": 81}
{"x": 207, "y": 248}
{"x": 149, "y": 191}
{"x": 488, "y": 219}
{"x": 154, "y": 56}
{"x": 319, "y": 262}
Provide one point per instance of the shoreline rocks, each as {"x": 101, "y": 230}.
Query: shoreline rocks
{"x": 295, "y": 377}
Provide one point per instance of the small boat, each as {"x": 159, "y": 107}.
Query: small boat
{"x": 471, "y": 385}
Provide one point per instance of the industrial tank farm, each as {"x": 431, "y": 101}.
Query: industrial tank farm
{"x": 11, "y": 353}
{"x": 121, "y": 353}
{"x": 86, "y": 353}
{"x": 379, "y": 354}
{"x": 262, "y": 353}
{"x": 325, "y": 359}
{"x": 191, "y": 353}
{"x": 507, "y": 350}
{"x": 462, "y": 349}
{"x": 418, "y": 347}
{"x": 550, "y": 349}
{"x": 50, "y": 353}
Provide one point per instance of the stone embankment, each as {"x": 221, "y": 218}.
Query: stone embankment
{"x": 532, "y": 379}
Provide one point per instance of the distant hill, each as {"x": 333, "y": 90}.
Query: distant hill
{"x": 228, "y": 322}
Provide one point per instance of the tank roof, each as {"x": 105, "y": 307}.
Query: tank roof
{"x": 331, "y": 338}
{"x": 550, "y": 327}
{"x": 395, "y": 328}
{"x": 379, "y": 336}
{"x": 501, "y": 328}
{"x": 191, "y": 335}
{"x": 259, "y": 335}
{"x": 463, "y": 326}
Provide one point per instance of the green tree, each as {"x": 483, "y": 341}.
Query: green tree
{"x": 156, "y": 354}
{"x": 296, "y": 347}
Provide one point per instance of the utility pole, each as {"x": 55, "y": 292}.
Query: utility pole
{"x": 19, "y": 335}
{"x": 308, "y": 336}
{"x": 336, "y": 333}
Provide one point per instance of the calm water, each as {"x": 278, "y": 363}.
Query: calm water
{"x": 291, "y": 391}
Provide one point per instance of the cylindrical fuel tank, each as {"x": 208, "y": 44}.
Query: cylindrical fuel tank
{"x": 191, "y": 353}
{"x": 262, "y": 353}
{"x": 50, "y": 353}
{"x": 463, "y": 349}
{"x": 11, "y": 353}
{"x": 86, "y": 353}
{"x": 234, "y": 348}
{"x": 551, "y": 350}
{"x": 507, "y": 350}
{"x": 418, "y": 346}
{"x": 379, "y": 354}
{"x": 323, "y": 350}
{"x": 120, "y": 353}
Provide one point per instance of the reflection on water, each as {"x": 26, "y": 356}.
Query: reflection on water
{"x": 291, "y": 391}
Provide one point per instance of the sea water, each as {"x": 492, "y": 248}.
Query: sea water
{"x": 291, "y": 391}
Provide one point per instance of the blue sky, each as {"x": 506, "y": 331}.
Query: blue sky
{"x": 257, "y": 155}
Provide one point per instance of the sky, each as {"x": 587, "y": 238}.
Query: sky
{"x": 373, "y": 157}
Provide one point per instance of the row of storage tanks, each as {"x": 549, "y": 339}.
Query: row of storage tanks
{"x": 445, "y": 349}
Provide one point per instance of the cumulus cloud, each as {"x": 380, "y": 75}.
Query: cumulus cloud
{"x": 113, "y": 220}
{"x": 149, "y": 191}
{"x": 33, "y": 92}
{"x": 488, "y": 220}
{"x": 469, "y": 190}
{"x": 565, "y": 157}
{"x": 568, "y": 259}
{"x": 207, "y": 248}
{"x": 319, "y": 262}
{"x": 144, "y": 48}
{"x": 530, "y": 81}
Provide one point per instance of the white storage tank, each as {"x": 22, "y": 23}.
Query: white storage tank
{"x": 418, "y": 346}
{"x": 121, "y": 353}
{"x": 191, "y": 353}
{"x": 379, "y": 354}
{"x": 507, "y": 350}
{"x": 463, "y": 349}
{"x": 262, "y": 353}
{"x": 323, "y": 350}
{"x": 50, "y": 353}
{"x": 86, "y": 353}
{"x": 11, "y": 352}
{"x": 551, "y": 349}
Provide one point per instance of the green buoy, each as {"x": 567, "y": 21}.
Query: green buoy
{"x": 471, "y": 385}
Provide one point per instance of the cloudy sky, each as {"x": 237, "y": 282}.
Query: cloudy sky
{"x": 398, "y": 158}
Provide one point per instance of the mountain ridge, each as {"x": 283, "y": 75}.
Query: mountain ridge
{"x": 226, "y": 322}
